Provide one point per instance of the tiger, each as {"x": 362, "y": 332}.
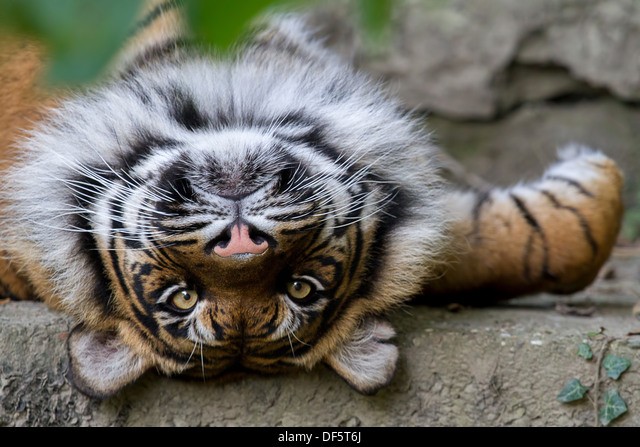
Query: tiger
{"x": 261, "y": 212}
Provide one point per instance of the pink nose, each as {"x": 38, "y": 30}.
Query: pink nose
{"x": 240, "y": 242}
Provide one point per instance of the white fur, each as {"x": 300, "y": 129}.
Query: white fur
{"x": 97, "y": 128}
{"x": 367, "y": 360}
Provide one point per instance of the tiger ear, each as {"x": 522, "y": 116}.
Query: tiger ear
{"x": 100, "y": 363}
{"x": 367, "y": 361}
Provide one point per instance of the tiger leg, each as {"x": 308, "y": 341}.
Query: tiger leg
{"x": 23, "y": 103}
{"x": 551, "y": 235}
{"x": 13, "y": 284}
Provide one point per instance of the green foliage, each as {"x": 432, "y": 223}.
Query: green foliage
{"x": 82, "y": 36}
{"x": 221, "y": 22}
{"x": 374, "y": 18}
{"x": 573, "y": 390}
{"x": 584, "y": 351}
{"x": 614, "y": 406}
{"x": 615, "y": 365}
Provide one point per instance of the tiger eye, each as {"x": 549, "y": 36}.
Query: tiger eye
{"x": 184, "y": 299}
{"x": 298, "y": 289}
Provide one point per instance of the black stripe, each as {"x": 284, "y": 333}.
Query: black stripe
{"x": 179, "y": 230}
{"x": 571, "y": 182}
{"x": 389, "y": 218}
{"x": 481, "y": 199}
{"x": 152, "y": 255}
{"x": 316, "y": 139}
{"x": 144, "y": 145}
{"x": 182, "y": 108}
{"x": 161, "y": 255}
{"x": 334, "y": 309}
{"x": 355, "y": 205}
{"x": 175, "y": 180}
{"x": 102, "y": 286}
{"x": 169, "y": 49}
{"x": 85, "y": 192}
{"x": 312, "y": 247}
{"x": 356, "y": 253}
{"x": 584, "y": 224}
{"x": 270, "y": 326}
{"x": 294, "y": 215}
{"x": 178, "y": 329}
{"x": 537, "y": 229}
{"x": 113, "y": 257}
{"x": 524, "y": 212}
{"x": 217, "y": 328}
{"x": 166, "y": 349}
{"x": 88, "y": 250}
{"x": 116, "y": 211}
{"x": 86, "y": 189}
{"x": 279, "y": 122}
{"x": 155, "y": 13}
{"x": 142, "y": 271}
{"x": 182, "y": 243}
{"x": 146, "y": 320}
{"x": 393, "y": 216}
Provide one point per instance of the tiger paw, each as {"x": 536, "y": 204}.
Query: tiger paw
{"x": 367, "y": 361}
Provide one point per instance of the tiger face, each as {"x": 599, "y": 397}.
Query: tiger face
{"x": 226, "y": 240}
{"x": 231, "y": 249}
{"x": 199, "y": 216}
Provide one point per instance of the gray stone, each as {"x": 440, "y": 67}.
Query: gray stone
{"x": 470, "y": 59}
{"x": 506, "y": 82}
{"x": 523, "y": 143}
{"x": 498, "y": 60}
{"x": 496, "y": 366}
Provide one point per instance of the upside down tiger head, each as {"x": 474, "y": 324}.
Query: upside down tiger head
{"x": 200, "y": 216}
{"x": 228, "y": 250}
{"x": 264, "y": 213}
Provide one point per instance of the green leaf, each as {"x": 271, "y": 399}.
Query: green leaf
{"x": 584, "y": 351}
{"x": 614, "y": 407}
{"x": 573, "y": 390}
{"x": 81, "y": 35}
{"x": 375, "y": 15}
{"x": 222, "y": 22}
{"x": 615, "y": 365}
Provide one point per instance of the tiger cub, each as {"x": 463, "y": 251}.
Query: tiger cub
{"x": 263, "y": 213}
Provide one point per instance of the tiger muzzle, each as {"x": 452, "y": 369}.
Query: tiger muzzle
{"x": 243, "y": 240}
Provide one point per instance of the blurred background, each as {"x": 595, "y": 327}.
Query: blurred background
{"x": 502, "y": 83}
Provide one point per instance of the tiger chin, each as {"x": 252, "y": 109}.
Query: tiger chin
{"x": 264, "y": 213}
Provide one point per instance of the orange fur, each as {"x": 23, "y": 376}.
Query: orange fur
{"x": 551, "y": 235}
{"x": 23, "y": 102}
{"x": 501, "y": 253}
{"x": 487, "y": 256}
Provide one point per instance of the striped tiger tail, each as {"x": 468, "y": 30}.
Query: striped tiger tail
{"x": 549, "y": 235}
